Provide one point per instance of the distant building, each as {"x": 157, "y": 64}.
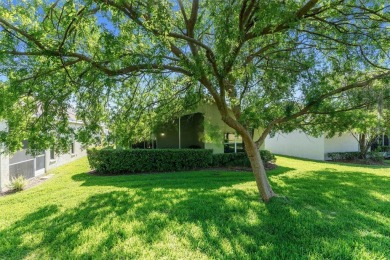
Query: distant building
{"x": 23, "y": 164}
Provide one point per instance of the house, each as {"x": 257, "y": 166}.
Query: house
{"x": 204, "y": 128}
{"x": 23, "y": 164}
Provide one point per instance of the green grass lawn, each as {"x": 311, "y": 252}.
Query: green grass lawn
{"x": 330, "y": 211}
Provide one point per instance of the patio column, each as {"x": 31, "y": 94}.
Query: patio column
{"x": 4, "y": 171}
{"x": 4, "y": 161}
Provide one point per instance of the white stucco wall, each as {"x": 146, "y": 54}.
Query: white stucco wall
{"x": 3, "y": 126}
{"x": 297, "y": 144}
{"x": 344, "y": 143}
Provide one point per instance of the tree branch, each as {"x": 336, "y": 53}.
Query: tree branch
{"x": 274, "y": 29}
{"x": 322, "y": 97}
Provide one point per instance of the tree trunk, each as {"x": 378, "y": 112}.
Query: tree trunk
{"x": 265, "y": 190}
{"x": 258, "y": 169}
{"x": 363, "y": 146}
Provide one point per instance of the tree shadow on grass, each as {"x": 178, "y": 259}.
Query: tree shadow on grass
{"x": 204, "y": 179}
{"x": 385, "y": 165}
{"x": 361, "y": 165}
{"x": 323, "y": 219}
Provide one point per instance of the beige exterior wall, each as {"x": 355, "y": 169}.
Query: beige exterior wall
{"x": 214, "y": 127}
{"x": 297, "y": 144}
{"x": 344, "y": 143}
{"x": 256, "y": 136}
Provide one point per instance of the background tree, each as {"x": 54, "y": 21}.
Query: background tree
{"x": 367, "y": 122}
{"x": 265, "y": 64}
{"x": 370, "y": 130}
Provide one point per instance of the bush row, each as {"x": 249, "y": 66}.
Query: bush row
{"x": 117, "y": 161}
{"x": 239, "y": 159}
{"x": 383, "y": 149}
{"x": 351, "y": 156}
{"x": 348, "y": 156}
{"x": 376, "y": 156}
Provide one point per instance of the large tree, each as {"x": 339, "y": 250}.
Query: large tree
{"x": 268, "y": 64}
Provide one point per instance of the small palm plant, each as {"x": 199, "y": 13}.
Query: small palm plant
{"x": 18, "y": 183}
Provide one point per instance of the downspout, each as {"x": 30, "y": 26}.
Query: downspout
{"x": 179, "y": 133}
{"x": 235, "y": 143}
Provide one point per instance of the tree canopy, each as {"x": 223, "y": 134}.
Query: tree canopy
{"x": 268, "y": 64}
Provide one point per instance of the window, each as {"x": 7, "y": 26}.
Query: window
{"x": 72, "y": 148}
{"x": 381, "y": 141}
{"x": 52, "y": 154}
{"x": 25, "y": 144}
{"x": 385, "y": 140}
{"x": 233, "y": 143}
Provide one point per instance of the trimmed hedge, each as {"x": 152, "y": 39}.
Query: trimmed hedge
{"x": 348, "y": 156}
{"x": 376, "y": 156}
{"x": 239, "y": 159}
{"x": 117, "y": 161}
{"x": 353, "y": 156}
{"x": 384, "y": 149}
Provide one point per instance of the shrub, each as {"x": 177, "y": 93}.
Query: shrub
{"x": 267, "y": 156}
{"x": 383, "y": 149}
{"x": 18, "y": 183}
{"x": 347, "y": 156}
{"x": 334, "y": 156}
{"x": 230, "y": 159}
{"x": 116, "y": 161}
{"x": 239, "y": 159}
{"x": 352, "y": 156}
{"x": 375, "y": 156}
